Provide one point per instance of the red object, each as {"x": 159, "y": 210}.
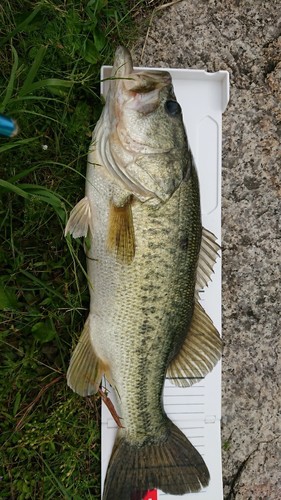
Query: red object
{"x": 151, "y": 495}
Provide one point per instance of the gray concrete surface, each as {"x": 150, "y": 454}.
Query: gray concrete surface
{"x": 242, "y": 37}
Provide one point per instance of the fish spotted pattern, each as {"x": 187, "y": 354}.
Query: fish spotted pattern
{"x": 148, "y": 257}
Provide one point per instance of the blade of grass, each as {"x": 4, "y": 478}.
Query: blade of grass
{"x": 24, "y": 173}
{"x": 17, "y": 144}
{"x": 75, "y": 260}
{"x": 62, "y": 489}
{"x": 11, "y": 83}
{"x": 26, "y": 88}
{"x": 44, "y": 194}
{"x": 41, "y": 283}
{"x": 47, "y": 196}
{"x": 29, "y": 407}
{"x": 49, "y": 82}
{"x": 8, "y": 186}
{"x": 21, "y": 26}
{"x": 27, "y": 171}
{"x": 35, "y": 113}
{"x": 35, "y": 190}
{"x": 15, "y": 100}
{"x": 116, "y": 26}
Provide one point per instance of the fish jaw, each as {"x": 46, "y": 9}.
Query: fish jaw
{"x": 122, "y": 69}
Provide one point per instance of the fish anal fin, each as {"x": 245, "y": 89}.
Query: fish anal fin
{"x": 86, "y": 368}
{"x": 121, "y": 236}
{"x": 80, "y": 219}
{"x": 207, "y": 258}
{"x": 199, "y": 353}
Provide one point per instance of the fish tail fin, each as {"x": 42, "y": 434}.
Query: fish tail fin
{"x": 173, "y": 466}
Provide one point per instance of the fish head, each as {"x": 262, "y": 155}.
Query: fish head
{"x": 146, "y": 140}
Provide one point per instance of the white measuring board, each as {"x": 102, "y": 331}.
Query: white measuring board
{"x": 196, "y": 410}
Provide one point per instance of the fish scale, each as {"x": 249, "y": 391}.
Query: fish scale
{"x": 142, "y": 216}
{"x": 123, "y": 319}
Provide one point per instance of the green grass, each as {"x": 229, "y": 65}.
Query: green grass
{"x": 50, "y": 56}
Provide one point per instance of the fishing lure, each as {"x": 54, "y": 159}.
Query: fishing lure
{"x": 8, "y": 127}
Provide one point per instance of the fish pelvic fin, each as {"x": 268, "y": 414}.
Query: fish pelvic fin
{"x": 207, "y": 258}
{"x": 121, "y": 235}
{"x": 85, "y": 368}
{"x": 199, "y": 353}
{"x": 80, "y": 219}
{"x": 173, "y": 466}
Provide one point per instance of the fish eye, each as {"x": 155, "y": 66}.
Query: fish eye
{"x": 172, "y": 107}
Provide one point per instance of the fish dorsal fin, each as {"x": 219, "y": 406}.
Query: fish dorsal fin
{"x": 80, "y": 219}
{"x": 207, "y": 258}
{"x": 199, "y": 353}
{"x": 85, "y": 369}
{"x": 121, "y": 236}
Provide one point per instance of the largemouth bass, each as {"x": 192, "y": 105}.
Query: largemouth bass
{"x": 148, "y": 257}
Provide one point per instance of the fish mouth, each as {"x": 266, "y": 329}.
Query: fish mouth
{"x": 123, "y": 63}
{"x": 127, "y": 83}
{"x": 137, "y": 81}
{"x": 147, "y": 81}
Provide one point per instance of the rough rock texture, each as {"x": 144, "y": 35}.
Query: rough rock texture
{"x": 241, "y": 37}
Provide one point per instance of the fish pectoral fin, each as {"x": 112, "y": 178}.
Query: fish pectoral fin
{"x": 80, "y": 219}
{"x": 199, "y": 353}
{"x": 121, "y": 235}
{"x": 207, "y": 259}
{"x": 86, "y": 368}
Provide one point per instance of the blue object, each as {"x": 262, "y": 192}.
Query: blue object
{"x": 8, "y": 127}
